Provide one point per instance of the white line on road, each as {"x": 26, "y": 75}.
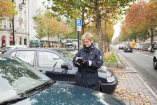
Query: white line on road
{"x": 143, "y": 54}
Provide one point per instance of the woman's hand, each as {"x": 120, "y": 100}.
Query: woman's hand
{"x": 86, "y": 62}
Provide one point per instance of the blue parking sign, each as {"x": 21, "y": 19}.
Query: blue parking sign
{"x": 78, "y": 24}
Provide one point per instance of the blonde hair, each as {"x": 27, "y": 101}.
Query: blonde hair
{"x": 88, "y": 36}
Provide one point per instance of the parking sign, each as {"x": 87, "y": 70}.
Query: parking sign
{"x": 78, "y": 24}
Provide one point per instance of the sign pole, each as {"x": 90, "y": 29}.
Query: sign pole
{"x": 78, "y": 41}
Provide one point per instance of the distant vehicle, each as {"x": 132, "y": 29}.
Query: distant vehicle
{"x": 71, "y": 44}
{"x": 21, "y": 84}
{"x": 152, "y": 48}
{"x": 70, "y": 47}
{"x": 144, "y": 47}
{"x": 121, "y": 46}
{"x": 12, "y": 47}
{"x": 137, "y": 46}
{"x": 155, "y": 60}
{"x": 128, "y": 48}
{"x": 57, "y": 64}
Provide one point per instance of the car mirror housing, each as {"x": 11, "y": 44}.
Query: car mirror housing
{"x": 66, "y": 66}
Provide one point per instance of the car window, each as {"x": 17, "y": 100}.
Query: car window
{"x": 13, "y": 53}
{"x": 68, "y": 55}
{"x": 49, "y": 59}
{"x": 27, "y": 56}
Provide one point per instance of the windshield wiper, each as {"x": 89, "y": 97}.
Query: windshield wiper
{"x": 38, "y": 89}
{"x": 12, "y": 100}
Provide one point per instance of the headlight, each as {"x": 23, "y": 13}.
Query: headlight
{"x": 111, "y": 79}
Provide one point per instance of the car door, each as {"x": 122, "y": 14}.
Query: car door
{"x": 50, "y": 63}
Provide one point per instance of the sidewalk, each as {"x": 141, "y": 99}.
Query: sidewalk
{"x": 132, "y": 89}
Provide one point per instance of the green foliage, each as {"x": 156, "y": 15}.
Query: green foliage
{"x": 49, "y": 26}
{"x": 140, "y": 17}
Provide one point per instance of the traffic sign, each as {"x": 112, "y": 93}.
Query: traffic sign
{"x": 78, "y": 24}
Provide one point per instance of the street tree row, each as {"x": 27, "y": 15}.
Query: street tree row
{"x": 140, "y": 21}
{"x": 98, "y": 16}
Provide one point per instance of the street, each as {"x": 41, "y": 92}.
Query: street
{"x": 142, "y": 62}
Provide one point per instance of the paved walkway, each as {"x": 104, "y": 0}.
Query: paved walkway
{"x": 132, "y": 89}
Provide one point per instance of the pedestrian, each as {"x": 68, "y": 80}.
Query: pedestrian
{"x": 87, "y": 74}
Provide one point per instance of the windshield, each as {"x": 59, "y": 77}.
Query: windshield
{"x": 68, "y": 41}
{"x": 17, "y": 77}
{"x": 68, "y": 55}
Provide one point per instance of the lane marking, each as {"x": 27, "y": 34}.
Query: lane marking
{"x": 143, "y": 54}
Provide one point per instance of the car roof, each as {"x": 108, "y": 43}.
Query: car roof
{"x": 47, "y": 49}
{"x": 4, "y": 56}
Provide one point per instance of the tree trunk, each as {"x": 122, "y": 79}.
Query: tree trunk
{"x": 152, "y": 36}
{"x": 135, "y": 39}
{"x": 48, "y": 40}
{"x": 82, "y": 23}
{"x": 98, "y": 25}
{"x": 58, "y": 41}
{"x": 105, "y": 45}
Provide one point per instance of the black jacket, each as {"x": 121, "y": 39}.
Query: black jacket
{"x": 87, "y": 76}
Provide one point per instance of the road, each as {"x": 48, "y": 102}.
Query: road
{"x": 142, "y": 62}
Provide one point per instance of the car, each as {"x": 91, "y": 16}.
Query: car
{"x": 137, "y": 46}
{"x": 12, "y": 47}
{"x": 128, "y": 49}
{"x": 57, "y": 65}
{"x": 121, "y": 46}
{"x": 70, "y": 47}
{"x": 21, "y": 84}
{"x": 155, "y": 60}
{"x": 152, "y": 47}
{"x": 144, "y": 47}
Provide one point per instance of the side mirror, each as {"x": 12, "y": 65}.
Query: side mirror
{"x": 66, "y": 66}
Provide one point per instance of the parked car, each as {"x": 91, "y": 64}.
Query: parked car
{"x": 144, "y": 47}
{"x": 152, "y": 47}
{"x": 155, "y": 60}
{"x": 57, "y": 64}
{"x": 12, "y": 47}
{"x": 21, "y": 84}
{"x": 128, "y": 49}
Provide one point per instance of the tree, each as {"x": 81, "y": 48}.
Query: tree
{"x": 7, "y": 8}
{"x": 49, "y": 26}
{"x": 140, "y": 18}
{"x": 92, "y": 11}
{"x": 151, "y": 17}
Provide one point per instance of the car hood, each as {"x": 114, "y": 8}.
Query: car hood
{"x": 105, "y": 72}
{"x": 66, "y": 94}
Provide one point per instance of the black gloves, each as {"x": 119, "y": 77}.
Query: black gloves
{"x": 86, "y": 62}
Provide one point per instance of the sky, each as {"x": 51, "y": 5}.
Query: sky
{"x": 116, "y": 30}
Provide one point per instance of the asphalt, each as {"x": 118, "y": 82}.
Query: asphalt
{"x": 132, "y": 88}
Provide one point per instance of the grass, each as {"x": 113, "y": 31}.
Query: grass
{"x": 110, "y": 57}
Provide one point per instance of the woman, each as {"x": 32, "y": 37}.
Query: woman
{"x": 87, "y": 75}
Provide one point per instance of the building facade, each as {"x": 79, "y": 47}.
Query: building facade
{"x": 20, "y": 29}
